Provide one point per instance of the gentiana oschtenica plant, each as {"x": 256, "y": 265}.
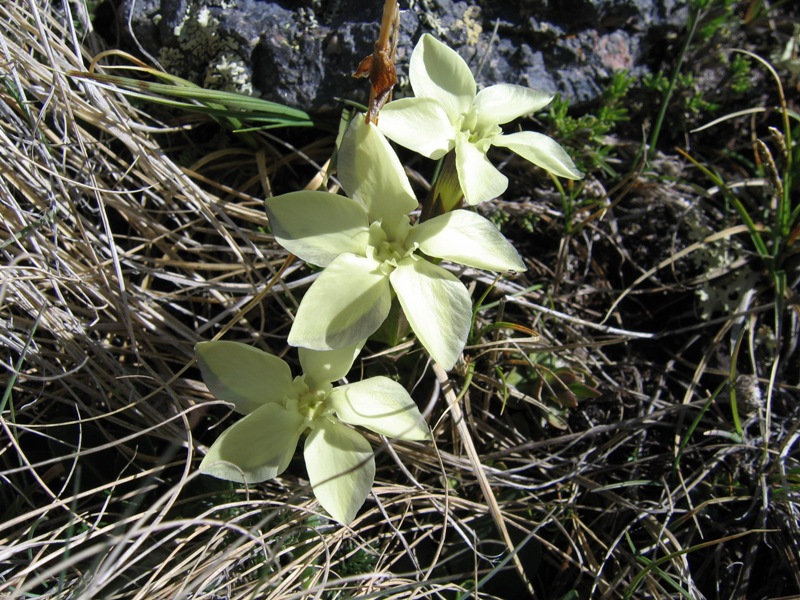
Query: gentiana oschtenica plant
{"x": 448, "y": 113}
{"x": 372, "y": 253}
{"x": 278, "y": 409}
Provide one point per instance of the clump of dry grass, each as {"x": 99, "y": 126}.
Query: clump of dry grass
{"x": 117, "y": 260}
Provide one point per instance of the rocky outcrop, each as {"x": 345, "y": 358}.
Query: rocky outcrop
{"x": 302, "y": 53}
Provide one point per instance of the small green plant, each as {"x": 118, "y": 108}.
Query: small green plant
{"x": 715, "y": 17}
{"x": 588, "y": 132}
{"x": 555, "y": 385}
{"x": 774, "y": 225}
{"x": 739, "y": 74}
{"x": 684, "y": 90}
{"x": 708, "y": 19}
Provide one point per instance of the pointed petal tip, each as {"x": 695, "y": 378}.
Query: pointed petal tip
{"x": 341, "y": 468}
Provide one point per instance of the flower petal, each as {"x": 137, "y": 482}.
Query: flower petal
{"x": 466, "y": 238}
{"x": 318, "y": 226}
{"x": 498, "y": 104}
{"x": 346, "y": 304}
{"x": 256, "y": 448}
{"x": 243, "y": 375}
{"x": 437, "y": 306}
{"x": 419, "y": 124}
{"x": 541, "y": 150}
{"x": 438, "y": 72}
{"x": 381, "y": 405}
{"x": 328, "y": 365}
{"x": 341, "y": 468}
{"x": 371, "y": 173}
{"x": 479, "y": 179}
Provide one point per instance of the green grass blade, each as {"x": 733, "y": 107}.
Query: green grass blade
{"x": 217, "y": 102}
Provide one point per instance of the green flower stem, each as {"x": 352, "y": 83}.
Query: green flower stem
{"x": 445, "y": 194}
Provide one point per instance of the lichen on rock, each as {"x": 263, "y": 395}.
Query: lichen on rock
{"x": 198, "y": 49}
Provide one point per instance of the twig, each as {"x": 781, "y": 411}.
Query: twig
{"x": 454, "y": 404}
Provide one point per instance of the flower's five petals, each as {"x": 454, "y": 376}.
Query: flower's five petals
{"x": 541, "y": 150}
{"x": 346, "y": 304}
{"x": 437, "y": 306}
{"x": 466, "y": 238}
{"x": 256, "y": 448}
{"x": 480, "y": 180}
{"x": 438, "y": 72}
{"x": 371, "y": 173}
{"x": 236, "y": 373}
{"x": 318, "y": 226}
{"x": 341, "y": 468}
{"x": 382, "y": 405}
{"x": 419, "y": 124}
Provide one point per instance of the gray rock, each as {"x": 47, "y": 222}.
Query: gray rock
{"x": 302, "y": 53}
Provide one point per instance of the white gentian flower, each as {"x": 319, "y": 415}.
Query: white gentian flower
{"x": 447, "y": 113}
{"x": 278, "y": 409}
{"x": 371, "y": 251}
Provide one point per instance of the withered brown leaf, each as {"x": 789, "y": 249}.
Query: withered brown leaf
{"x": 378, "y": 67}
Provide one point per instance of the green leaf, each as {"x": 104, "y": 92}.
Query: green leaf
{"x": 243, "y": 375}
{"x": 466, "y": 238}
{"x": 318, "y": 226}
{"x": 583, "y": 391}
{"x": 341, "y": 468}
{"x": 257, "y": 448}
{"x": 437, "y": 306}
{"x": 381, "y": 405}
{"x": 215, "y": 102}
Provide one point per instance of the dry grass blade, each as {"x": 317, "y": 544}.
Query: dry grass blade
{"x": 453, "y": 403}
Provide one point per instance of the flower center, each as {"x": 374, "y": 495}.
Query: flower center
{"x": 311, "y": 404}
{"x": 479, "y": 135}
{"x": 385, "y": 244}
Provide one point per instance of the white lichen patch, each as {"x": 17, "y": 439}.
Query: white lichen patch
{"x": 727, "y": 278}
{"x": 203, "y": 54}
{"x": 470, "y": 21}
{"x": 427, "y": 16}
{"x": 229, "y": 73}
{"x": 205, "y": 20}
